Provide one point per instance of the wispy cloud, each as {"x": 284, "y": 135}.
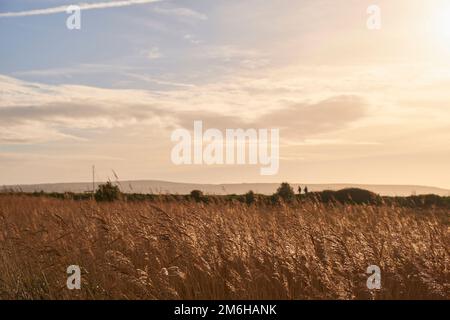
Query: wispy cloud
{"x": 154, "y": 53}
{"x": 181, "y": 12}
{"x": 192, "y": 39}
{"x": 83, "y": 6}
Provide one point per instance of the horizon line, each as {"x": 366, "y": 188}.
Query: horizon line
{"x": 231, "y": 183}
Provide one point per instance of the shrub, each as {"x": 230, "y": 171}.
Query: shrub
{"x": 107, "y": 192}
{"x": 285, "y": 192}
{"x": 357, "y": 196}
{"x": 197, "y": 195}
{"x": 250, "y": 197}
{"x": 325, "y": 196}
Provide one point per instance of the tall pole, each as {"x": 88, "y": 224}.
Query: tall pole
{"x": 93, "y": 179}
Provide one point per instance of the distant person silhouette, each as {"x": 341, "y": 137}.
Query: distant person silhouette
{"x": 299, "y": 190}
{"x": 306, "y": 190}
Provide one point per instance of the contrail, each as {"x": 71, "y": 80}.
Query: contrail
{"x": 83, "y": 6}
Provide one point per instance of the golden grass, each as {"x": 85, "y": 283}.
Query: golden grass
{"x": 174, "y": 250}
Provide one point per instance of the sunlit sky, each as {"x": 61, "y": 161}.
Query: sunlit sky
{"x": 353, "y": 105}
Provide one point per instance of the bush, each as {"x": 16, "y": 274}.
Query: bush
{"x": 356, "y": 196}
{"x": 250, "y": 197}
{"x": 325, "y": 196}
{"x": 197, "y": 195}
{"x": 107, "y": 192}
{"x": 274, "y": 199}
{"x": 285, "y": 192}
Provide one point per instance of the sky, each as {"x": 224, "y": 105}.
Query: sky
{"x": 353, "y": 105}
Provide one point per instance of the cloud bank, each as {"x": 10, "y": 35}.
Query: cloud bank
{"x": 57, "y": 109}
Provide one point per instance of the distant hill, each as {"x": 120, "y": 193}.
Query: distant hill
{"x": 154, "y": 186}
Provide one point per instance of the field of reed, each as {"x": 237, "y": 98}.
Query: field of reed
{"x": 189, "y": 250}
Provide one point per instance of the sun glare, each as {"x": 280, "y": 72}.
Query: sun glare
{"x": 441, "y": 22}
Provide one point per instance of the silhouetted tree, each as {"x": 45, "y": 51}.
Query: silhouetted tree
{"x": 250, "y": 197}
{"x": 285, "y": 192}
{"x": 197, "y": 195}
{"x": 107, "y": 192}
